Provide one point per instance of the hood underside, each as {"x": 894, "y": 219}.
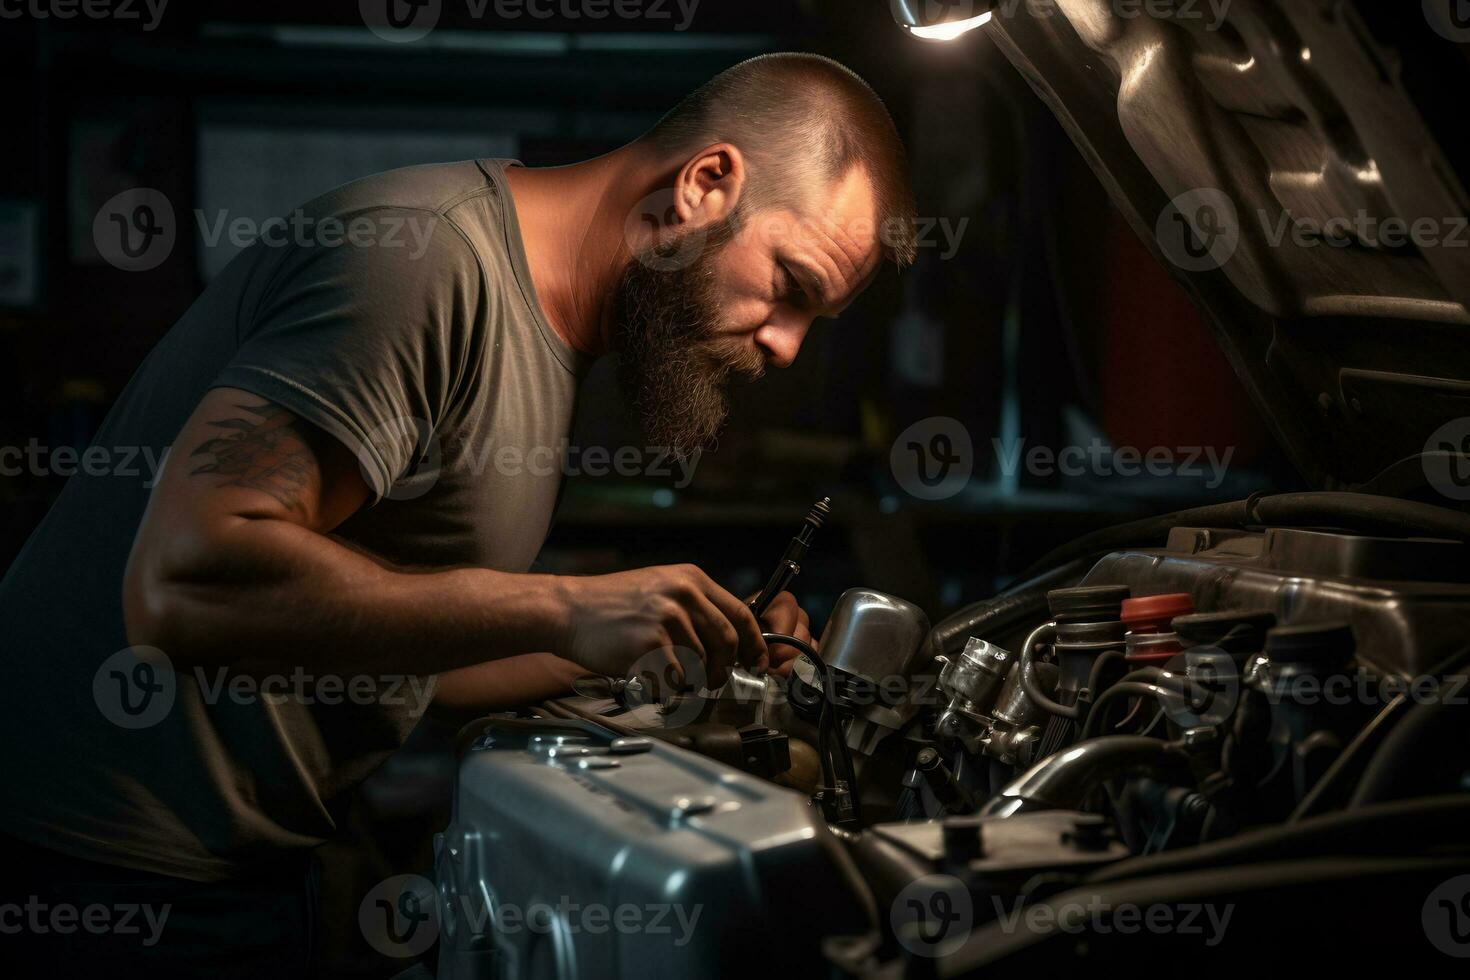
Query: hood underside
{"x": 1277, "y": 158}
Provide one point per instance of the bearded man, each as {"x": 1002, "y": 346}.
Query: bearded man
{"x": 326, "y": 516}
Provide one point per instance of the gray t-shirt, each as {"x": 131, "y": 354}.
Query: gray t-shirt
{"x": 397, "y": 314}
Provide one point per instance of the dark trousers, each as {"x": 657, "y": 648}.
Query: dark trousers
{"x": 61, "y": 917}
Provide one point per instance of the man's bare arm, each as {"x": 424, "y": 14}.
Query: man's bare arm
{"x": 233, "y": 564}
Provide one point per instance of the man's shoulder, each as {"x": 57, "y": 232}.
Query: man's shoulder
{"x": 432, "y": 188}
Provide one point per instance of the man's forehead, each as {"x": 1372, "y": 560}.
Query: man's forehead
{"x": 836, "y": 229}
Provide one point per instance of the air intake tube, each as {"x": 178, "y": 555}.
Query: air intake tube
{"x": 1064, "y": 780}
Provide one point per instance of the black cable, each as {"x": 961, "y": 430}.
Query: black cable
{"x": 1094, "y": 676}
{"x": 827, "y": 725}
{"x": 825, "y": 717}
{"x": 823, "y": 726}
{"x": 1121, "y": 689}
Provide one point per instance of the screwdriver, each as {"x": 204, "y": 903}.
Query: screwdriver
{"x": 790, "y": 564}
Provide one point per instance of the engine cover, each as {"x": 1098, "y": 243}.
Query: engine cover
{"x": 576, "y": 853}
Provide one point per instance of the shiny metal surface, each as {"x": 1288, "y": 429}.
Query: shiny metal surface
{"x": 874, "y": 636}
{"x": 1296, "y": 115}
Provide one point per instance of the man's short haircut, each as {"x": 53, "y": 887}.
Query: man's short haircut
{"x": 797, "y": 117}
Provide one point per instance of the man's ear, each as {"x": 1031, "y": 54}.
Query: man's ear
{"x": 709, "y": 186}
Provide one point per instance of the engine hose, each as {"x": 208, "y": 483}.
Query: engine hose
{"x": 1408, "y": 752}
{"x": 1031, "y": 681}
{"x": 1412, "y": 758}
{"x": 829, "y": 729}
{"x": 1384, "y": 828}
{"x": 1020, "y": 604}
{"x": 1094, "y": 676}
{"x": 1365, "y": 512}
{"x": 1332, "y": 789}
{"x": 1064, "y": 780}
{"x": 1147, "y": 682}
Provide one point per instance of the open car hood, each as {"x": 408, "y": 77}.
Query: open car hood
{"x": 1262, "y": 121}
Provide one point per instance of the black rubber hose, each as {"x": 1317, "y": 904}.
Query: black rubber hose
{"x": 1017, "y": 606}
{"x": 827, "y": 724}
{"x": 1420, "y": 754}
{"x": 1333, "y": 788}
{"x": 1122, "y": 689}
{"x": 1409, "y": 759}
{"x": 1401, "y": 826}
{"x": 1064, "y": 780}
{"x": 1031, "y": 681}
{"x": 1366, "y": 512}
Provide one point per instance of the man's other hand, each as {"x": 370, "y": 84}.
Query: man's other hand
{"x": 784, "y": 616}
{"x": 611, "y": 621}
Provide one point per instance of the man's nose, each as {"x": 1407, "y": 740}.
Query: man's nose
{"x": 780, "y": 339}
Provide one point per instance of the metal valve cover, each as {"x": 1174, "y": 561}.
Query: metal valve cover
{"x": 575, "y": 853}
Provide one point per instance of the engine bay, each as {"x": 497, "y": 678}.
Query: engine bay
{"x": 1239, "y": 715}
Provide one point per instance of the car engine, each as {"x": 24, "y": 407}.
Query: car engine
{"x": 1263, "y": 709}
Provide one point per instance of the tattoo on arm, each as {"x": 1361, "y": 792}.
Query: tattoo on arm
{"x": 263, "y": 452}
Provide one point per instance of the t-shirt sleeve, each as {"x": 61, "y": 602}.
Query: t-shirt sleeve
{"x": 368, "y": 342}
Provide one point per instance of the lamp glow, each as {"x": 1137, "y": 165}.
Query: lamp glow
{"x": 949, "y": 30}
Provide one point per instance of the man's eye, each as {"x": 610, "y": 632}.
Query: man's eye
{"x": 794, "y": 291}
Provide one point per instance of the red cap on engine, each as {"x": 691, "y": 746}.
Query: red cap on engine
{"x": 1154, "y": 613}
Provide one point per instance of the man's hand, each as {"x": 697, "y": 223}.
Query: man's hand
{"x": 613, "y": 620}
{"x": 783, "y": 615}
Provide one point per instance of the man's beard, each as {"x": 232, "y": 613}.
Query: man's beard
{"x": 674, "y": 367}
